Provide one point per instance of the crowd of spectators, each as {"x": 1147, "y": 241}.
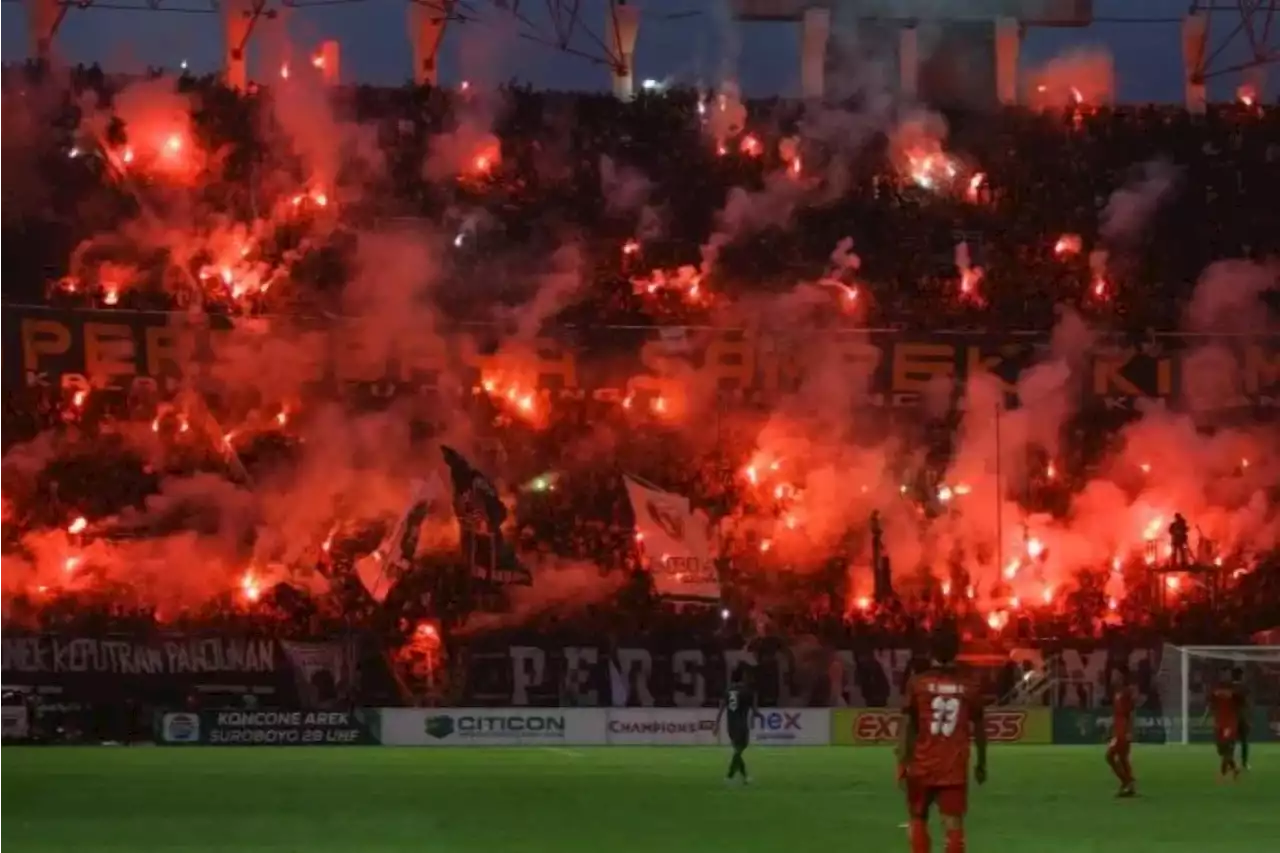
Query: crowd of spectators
{"x": 1027, "y": 179}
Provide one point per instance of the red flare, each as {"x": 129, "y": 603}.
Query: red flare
{"x": 1068, "y": 245}
{"x": 975, "y": 184}
{"x": 250, "y": 588}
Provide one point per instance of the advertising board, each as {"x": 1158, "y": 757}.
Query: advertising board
{"x": 696, "y": 727}
{"x": 593, "y": 726}
{"x": 490, "y": 726}
{"x": 264, "y": 728}
{"x": 662, "y": 726}
{"x": 881, "y": 726}
{"x": 1082, "y": 725}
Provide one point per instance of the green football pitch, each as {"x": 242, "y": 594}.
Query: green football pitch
{"x": 583, "y": 800}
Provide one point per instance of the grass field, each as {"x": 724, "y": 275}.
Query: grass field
{"x": 1038, "y": 800}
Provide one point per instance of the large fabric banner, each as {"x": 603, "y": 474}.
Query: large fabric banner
{"x": 796, "y": 674}
{"x": 165, "y": 669}
{"x": 881, "y": 726}
{"x": 136, "y": 351}
{"x": 678, "y": 542}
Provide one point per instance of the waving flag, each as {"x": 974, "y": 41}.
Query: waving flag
{"x": 677, "y": 541}
{"x": 480, "y": 515}
{"x": 399, "y": 546}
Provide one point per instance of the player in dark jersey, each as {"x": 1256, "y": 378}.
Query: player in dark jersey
{"x": 1121, "y": 733}
{"x": 1226, "y": 703}
{"x": 1242, "y": 730}
{"x": 942, "y": 713}
{"x": 738, "y": 707}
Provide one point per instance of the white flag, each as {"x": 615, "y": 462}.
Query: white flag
{"x": 677, "y": 542}
{"x": 390, "y": 556}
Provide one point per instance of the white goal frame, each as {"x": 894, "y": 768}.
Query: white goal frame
{"x": 1179, "y": 729}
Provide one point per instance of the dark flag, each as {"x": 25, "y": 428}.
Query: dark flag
{"x": 480, "y": 515}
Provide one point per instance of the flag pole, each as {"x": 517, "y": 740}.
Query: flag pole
{"x": 999, "y": 496}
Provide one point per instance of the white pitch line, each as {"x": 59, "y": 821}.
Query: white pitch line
{"x": 560, "y": 750}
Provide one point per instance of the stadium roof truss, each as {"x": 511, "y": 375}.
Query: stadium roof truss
{"x": 557, "y": 24}
{"x": 190, "y": 7}
{"x": 1253, "y": 27}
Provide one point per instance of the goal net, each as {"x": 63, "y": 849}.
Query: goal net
{"x": 1188, "y": 673}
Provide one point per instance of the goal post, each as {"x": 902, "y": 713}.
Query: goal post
{"x": 1188, "y": 674}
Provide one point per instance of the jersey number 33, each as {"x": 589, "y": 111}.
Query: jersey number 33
{"x": 944, "y": 715}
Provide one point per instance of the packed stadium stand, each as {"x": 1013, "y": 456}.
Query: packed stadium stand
{"x": 903, "y": 363}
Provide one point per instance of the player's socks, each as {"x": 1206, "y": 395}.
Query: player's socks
{"x": 1113, "y": 761}
{"x": 955, "y": 841}
{"x": 1127, "y": 770}
{"x": 1244, "y": 754}
{"x": 918, "y": 832}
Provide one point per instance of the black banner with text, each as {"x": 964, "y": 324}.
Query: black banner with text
{"x": 172, "y": 668}
{"x": 128, "y": 350}
{"x": 785, "y": 675}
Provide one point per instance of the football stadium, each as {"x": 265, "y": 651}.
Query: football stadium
{"x": 476, "y": 425}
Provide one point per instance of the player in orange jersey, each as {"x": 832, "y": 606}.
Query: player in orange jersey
{"x": 1226, "y": 702}
{"x": 1121, "y": 733}
{"x": 942, "y": 713}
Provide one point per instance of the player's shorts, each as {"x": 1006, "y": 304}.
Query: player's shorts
{"x": 1120, "y": 746}
{"x": 739, "y": 736}
{"x": 952, "y": 800}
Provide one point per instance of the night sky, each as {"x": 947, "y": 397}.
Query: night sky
{"x": 697, "y": 49}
